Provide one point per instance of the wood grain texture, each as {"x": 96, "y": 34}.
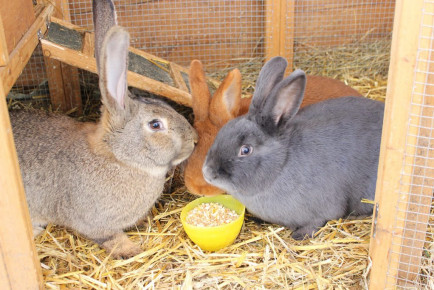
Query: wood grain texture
{"x": 389, "y": 221}
{"x": 17, "y": 16}
{"x": 63, "y": 80}
{"x": 19, "y": 263}
{"x": 24, "y": 49}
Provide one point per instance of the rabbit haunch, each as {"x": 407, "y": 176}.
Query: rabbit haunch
{"x": 298, "y": 168}
{"x": 226, "y": 104}
{"x": 101, "y": 178}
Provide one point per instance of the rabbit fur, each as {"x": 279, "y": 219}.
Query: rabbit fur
{"x": 211, "y": 114}
{"x": 101, "y": 178}
{"x": 298, "y": 168}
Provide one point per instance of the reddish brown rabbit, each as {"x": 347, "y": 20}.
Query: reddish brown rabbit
{"x": 226, "y": 104}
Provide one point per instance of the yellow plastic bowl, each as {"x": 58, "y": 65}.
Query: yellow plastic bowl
{"x": 214, "y": 238}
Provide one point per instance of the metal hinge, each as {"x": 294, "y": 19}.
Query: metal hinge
{"x": 374, "y": 230}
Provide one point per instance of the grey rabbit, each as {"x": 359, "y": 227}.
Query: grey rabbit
{"x": 298, "y": 168}
{"x": 101, "y": 178}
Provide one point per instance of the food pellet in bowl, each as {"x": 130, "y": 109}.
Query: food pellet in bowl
{"x": 210, "y": 215}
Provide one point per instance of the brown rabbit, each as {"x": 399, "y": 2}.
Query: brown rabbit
{"x": 226, "y": 104}
{"x": 101, "y": 178}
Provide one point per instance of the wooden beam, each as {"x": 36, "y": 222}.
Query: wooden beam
{"x": 393, "y": 175}
{"x": 176, "y": 74}
{"x": 24, "y": 49}
{"x": 4, "y": 54}
{"x": 279, "y": 30}
{"x": 19, "y": 263}
{"x": 421, "y": 188}
{"x": 287, "y": 33}
{"x": 272, "y": 28}
{"x": 63, "y": 80}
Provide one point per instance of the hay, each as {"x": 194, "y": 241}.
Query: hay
{"x": 263, "y": 255}
{"x": 363, "y": 66}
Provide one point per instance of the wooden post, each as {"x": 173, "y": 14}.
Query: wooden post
{"x": 63, "y": 79}
{"x": 421, "y": 189}
{"x": 4, "y": 54}
{"x": 19, "y": 264}
{"x": 279, "y": 30}
{"x": 395, "y": 176}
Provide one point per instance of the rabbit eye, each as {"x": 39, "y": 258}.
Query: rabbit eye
{"x": 245, "y": 150}
{"x": 156, "y": 125}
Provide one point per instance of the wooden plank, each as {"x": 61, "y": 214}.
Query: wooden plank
{"x": 71, "y": 88}
{"x": 88, "y": 44}
{"x": 19, "y": 263}
{"x": 388, "y": 221}
{"x": 22, "y": 52}
{"x": 4, "y": 53}
{"x": 177, "y": 77}
{"x": 272, "y": 28}
{"x": 287, "y": 33}
{"x": 63, "y": 92}
{"x": 280, "y": 30}
{"x": 17, "y": 16}
{"x": 55, "y": 83}
{"x": 83, "y": 61}
{"x": 422, "y": 181}
{"x": 63, "y": 80}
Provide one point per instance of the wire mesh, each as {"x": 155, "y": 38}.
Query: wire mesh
{"x": 182, "y": 30}
{"x": 323, "y": 26}
{"x": 413, "y": 237}
{"x": 223, "y": 34}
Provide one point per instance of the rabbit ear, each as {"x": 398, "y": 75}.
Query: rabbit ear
{"x": 199, "y": 91}
{"x": 283, "y": 102}
{"x": 113, "y": 69}
{"x": 225, "y": 102}
{"x": 104, "y": 18}
{"x": 269, "y": 76}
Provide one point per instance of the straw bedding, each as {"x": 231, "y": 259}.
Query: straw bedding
{"x": 263, "y": 256}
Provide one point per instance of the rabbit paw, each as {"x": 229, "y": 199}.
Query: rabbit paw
{"x": 303, "y": 233}
{"x": 121, "y": 247}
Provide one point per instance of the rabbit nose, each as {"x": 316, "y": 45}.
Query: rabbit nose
{"x": 195, "y": 136}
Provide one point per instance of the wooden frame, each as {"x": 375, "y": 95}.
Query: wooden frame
{"x": 4, "y": 55}
{"x": 279, "y": 35}
{"x": 389, "y": 247}
{"x": 19, "y": 264}
{"x": 19, "y": 57}
{"x": 63, "y": 79}
{"x": 83, "y": 58}
{"x": 17, "y": 252}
